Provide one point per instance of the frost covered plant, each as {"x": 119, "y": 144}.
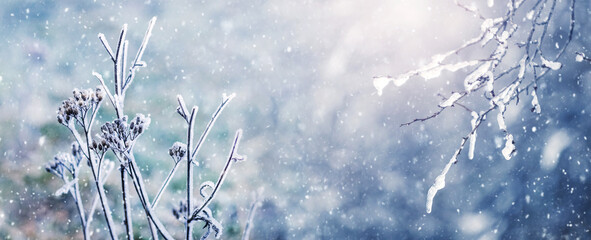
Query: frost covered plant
{"x": 523, "y": 30}
{"x": 119, "y": 136}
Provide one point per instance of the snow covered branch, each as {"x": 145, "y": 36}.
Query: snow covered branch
{"x": 522, "y": 30}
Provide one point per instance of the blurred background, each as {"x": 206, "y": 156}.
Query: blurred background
{"x": 328, "y": 151}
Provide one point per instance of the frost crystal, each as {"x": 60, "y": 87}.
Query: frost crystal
{"x": 550, "y": 64}
{"x": 451, "y": 100}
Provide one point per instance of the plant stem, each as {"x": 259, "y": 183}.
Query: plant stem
{"x": 189, "y": 232}
{"x": 140, "y": 187}
{"x": 221, "y": 178}
{"x": 99, "y": 186}
{"x": 79, "y": 205}
{"x": 126, "y": 208}
{"x": 165, "y": 184}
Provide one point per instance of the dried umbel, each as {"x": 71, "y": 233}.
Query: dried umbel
{"x": 121, "y": 136}
{"x": 99, "y": 146}
{"x": 177, "y": 151}
{"x": 78, "y": 106}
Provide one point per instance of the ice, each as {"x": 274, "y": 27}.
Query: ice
{"x": 501, "y": 118}
{"x": 473, "y": 122}
{"x": 535, "y": 103}
{"x": 451, "y": 100}
{"x": 380, "y": 83}
{"x": 509, "y": 149}
{"x": 522, "y": 67}
{"x": 439, "y": 182}
{"x": 550, "y": 64}
{"x": 559, "y": 141}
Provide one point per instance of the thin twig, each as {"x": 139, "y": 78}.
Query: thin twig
{"x": 231, "y": 158}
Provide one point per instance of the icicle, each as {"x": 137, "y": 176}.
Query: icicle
{"x": 535, "y": 103}
{"x": 439, "y": 182}
{"x": 380, "y": 83}
{"x": 509, "y": 149}
{"x": 501, "y": 118}
{"x": 473, "y": 122}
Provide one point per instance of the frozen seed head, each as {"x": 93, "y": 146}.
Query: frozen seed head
{"x": 119, "y": 135}
{"x": 79, "y": 104}
{"x": 177, "y": 151}
{"x": 180, "y": 211}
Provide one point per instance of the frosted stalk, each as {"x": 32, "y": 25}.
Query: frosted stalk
{"x": 491, "y": 3}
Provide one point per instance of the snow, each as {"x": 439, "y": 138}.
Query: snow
{"x": 451, "y": 100}
{"x": 474, "y": 223}
{"x": 559, "y": 141}
{"x": 380, "y": 83}
{"x": 579, "y": 58}
{"x": 472, "y": 80}
{"x": 509, "y": 149}
{"x": 491, "y": 3}
{"x": 522, "y": 67}
{"x": 550, "y": 64}
{"x": 501, "y": 118}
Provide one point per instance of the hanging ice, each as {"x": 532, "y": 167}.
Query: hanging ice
{"x": 473, "y": 122}
{"x": 535, "y": 103}
{"x": 509, "y": 149}
{"x": 439, "y": 182}
{"x": 380, "y": 83}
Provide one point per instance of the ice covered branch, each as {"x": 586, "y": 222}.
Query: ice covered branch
{"x": 489, "y": 79}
